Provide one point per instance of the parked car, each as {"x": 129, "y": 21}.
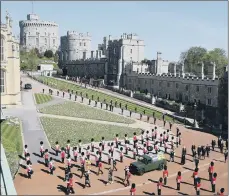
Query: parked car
{"x": 28, "y": 86}
{"x": 147, "y": 163}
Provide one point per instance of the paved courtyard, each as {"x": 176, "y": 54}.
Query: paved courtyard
{"x": 42, "y": 183}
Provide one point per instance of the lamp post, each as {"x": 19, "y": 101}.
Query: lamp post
{"x": 195, "y": 106}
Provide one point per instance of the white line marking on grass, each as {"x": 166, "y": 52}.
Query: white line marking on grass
{"x": 149, "y": 182}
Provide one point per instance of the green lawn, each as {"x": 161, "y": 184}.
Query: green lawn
{"x": 65, "y": 85}
{"x": 61, "y": 130}
{"x": 42, "y": 98}
{"x": 78, "y": 110}
{"x": 11, "y": 139}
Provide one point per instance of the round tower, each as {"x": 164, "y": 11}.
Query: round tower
{"x": 72, "y": 45}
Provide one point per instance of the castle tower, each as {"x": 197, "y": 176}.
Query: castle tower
{"x": 72, "y": 45}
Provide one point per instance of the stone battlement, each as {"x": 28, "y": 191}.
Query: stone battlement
{"x": 88, "y": 60}
{"x": 75, "y": 33}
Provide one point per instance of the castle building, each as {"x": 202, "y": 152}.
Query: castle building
{"x": 10, "y": 65}
{"x": 35, "y": 33}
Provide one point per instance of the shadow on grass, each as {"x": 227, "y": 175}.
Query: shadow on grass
{"x": 62, "y": 189}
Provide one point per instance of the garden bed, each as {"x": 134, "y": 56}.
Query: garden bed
{"x": 78, "y": 110}
{"x": 11, "y": 138}
{"x": 61, "y": 130}
{"x": 65, "y": 85}
{"x": 42, "y": 98}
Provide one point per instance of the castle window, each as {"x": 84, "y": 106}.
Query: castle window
{"x": 2, "y": 86}
{"x": 37, "y": 41}
{"x": 2, "y": 48}
{"x": 197, "y": 88}
{"x": 131, "y": 51}
{"x": 168, "y": 84}
{"x": 45, "y": 40}
{"x": 186, "y": 87}
{"x": 54, "y": 41}
{"x": 177, "y": 85}
{"x": 80, "y": 43}
{"x": 209, "y": 101}
{"x": 152, "y": 81}
{"x": 37, "y": 33}
{"x": 45, "y": 33}
{"x": 209, "y": 89}
{"x": 84, "y": 44}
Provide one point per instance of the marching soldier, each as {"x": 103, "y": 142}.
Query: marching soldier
{"x": 100, "y": 151}
{"x": 80, "y": 146}
{"x": 68, "y": 147}
{"x": 178, "y": 179}
{"x": 112, "y": 149}
{"x": 126, "y": 169}
{"x": 153, "y": 134}
{"x": 62, "y": 155}
{"x": 109, "y": 157}
{"x": 130, "y": 113}
{"x": 75, "y": 153}
{"x": 211, "y": 170}
{"x": 156, "y": 147}
{"x": 147, "y": 143}
{"x": 100, "y": 168}
{"x": 128, "y": 178}
{"x": 103, "y": 144}
{"x": 116, "y": 140}
{"x": 87, "y": 179}
{"x": 25, "y": 150}
{"x": 70, "y": 184}
{"x": 196, "y": 160}
{"x": 142, "y": 136}
{"x": 199, "y": 152}
{"x": 110, "y": 176}
{"x": 135, "y": 139}
{"x": 195, "y": 176}
{"x": 89, "y": 102}
{"x": 75, "y": 97}
{"x": 126, "y": 147}
{"x": 172, "y": 143}
{"x": 165, "y": 174}
{"x": 166, "y": 147}
{"x": 46, "y": 156}
{"x": 147, "y": 135}
{"x": 42, "y": 150}
{"x": 125, "y": 138}
{"x": 97, "y": 159}
{"x": 88, "y": 153}
{"x": 69, "y": 162}
{"x": 208, "y": 150}
{"x": 51, "y": 166}
{"x": 159, "y": 186}
{"x": 167, "y": 135}
{"x": 193, "y": 148}
{"x": 213, "y": 182}
{"x": 29, "y": 169}
{"x": 133, "y": 189}
{"x": 101, "y": 105}
{"x": 183, "y": 159}
{"x": 57, "y": 148}
{"x": 92, "y": 145}
{"x": 172, "y": 154}
{"x": 114, "y": 164}
{"x": 63, "y": 94}
{"x": 121, "y": 155}
{"x": 161, "y": 139}
{"x": 198, "y": 185}
{"x": 88, "y": 165}
{"x": 164, "y": 137}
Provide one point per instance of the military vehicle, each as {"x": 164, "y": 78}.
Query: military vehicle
{"x": 147, "y": 163}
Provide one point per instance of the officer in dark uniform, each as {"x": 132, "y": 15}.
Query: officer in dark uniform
{"x": 63, "y": 94}
{"x": 170, "y": 125}
{"x": 208, "y": 150}
{"x": 130, "y": 113}
{"x": 95, "y": 103}
{"x": 101, "y": 105}
{"x": 213, "y": 144}
{"x": 75, "y": 97}
{"x": 70, "y": 96}
{"x": 196, "y": 160}
{"x": 126, "y": 106}
{"x": 43, "y": 90}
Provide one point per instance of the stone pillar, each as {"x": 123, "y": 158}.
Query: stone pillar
{"x": 84, "y": 55}
{"x": 202, "y": 70}
{"x": 175, "y": 69}
{"x": 182, "y": 71}
{"x": 97, "y": 54}
{"x": 92, "y": 54}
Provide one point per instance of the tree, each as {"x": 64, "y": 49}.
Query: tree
{"x": 194, "y": 55}
{"x": 48, "y": 53}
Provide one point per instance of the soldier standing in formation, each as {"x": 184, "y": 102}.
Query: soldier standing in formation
{"x": 110, "y": 176}
{"x": 80, "y": 146}
{"x": 100, "y": 168}
{"x": 87, "y": 179}
{"x": 42, "y": 149}
{"x": 159, "y": 186}
{"x": 75, "y": 153}
{"x": 114, "y": 164}
{"x": 121, "y": 154}
{"x": 208, "y": 150}
{"x": 88, "y": 153}
{"x": 213, "y": 182}
{"x": 196, "y": 160}
{"x": 116, "y": 140}
{"x": 68, "y": 147}
{"x": 211, "y": 170}
{"x": 198, "y": 186}
{"x": 165, "y": 174}
{"x": 133, "y": 189}
{"x": 62, "y": 155}
{"x": 103, "y": 144}
{"x": 70, "y": 184}
{"x": 195, "y": 176}
{"x": 46, "y": 156}
{"x": 51, "y": 166}
{"x": 92, "y": 145}
{"x": 178, "y": 179}
{"x": 57, "y": 148}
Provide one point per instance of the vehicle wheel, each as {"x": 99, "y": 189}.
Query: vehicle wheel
{"x": 161, "y": 166}
{"x": 141, "y": 172}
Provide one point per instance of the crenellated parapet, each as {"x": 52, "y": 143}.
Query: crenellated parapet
{"x": 86, "y": 61}
{"x": 35, "y": 24}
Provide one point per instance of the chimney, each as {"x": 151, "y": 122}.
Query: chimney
{"x": 202, "y": 70}
{"x": 97, "y": 54}
{"x": 213, "y": 71}
{"x": 92, "y": 54}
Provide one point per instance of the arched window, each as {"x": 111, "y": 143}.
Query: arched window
{"x": 45, "y": 40}
{"x": 2, "y": 48}
{"x": 2, "y": 79}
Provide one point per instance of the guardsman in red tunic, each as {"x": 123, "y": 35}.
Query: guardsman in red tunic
{"x": 75, "y": 153}
{"x": 198, "y": 186}
{"x": 51, "y": 166}
{"x": 88, "y": 153}
{"x": 121, "y": 155}
{"x": 145, "y": 149}
{"x": 178, "y": 179}
{"x": 165, "y": 174}
{"x": 112, "y": 149}
{"x": 195, "y": 176}
{"x": 29, "y": 169}
{"x": 142, "y": 136}
{"x": 213, "y": 182}
{"x": 156, "y": 147}
{"x": 135, "y": 139}
{"x": 211, "y": 170}
{"x": 69, "y": 162}
{"x": 166, "y": 147}
{"x": 103, "y": 144}
{"x": 147, "y": 142}
{"x": 221, "y": 193}
{"x": 92, "y": 145}
{"x": 100, "y": 165}
{"x": 125, "y": 138}
{"x": 159, "y": 186}
{"x": 128, "y": 178}
{"x": 25, "y": 150}
{"x": 57, "y": 148}
{"x": 27, "y": 157}
{"x": 161, "y": 140}
{"x": 126, "y": 147}
{"x": 42, "y": 150}
{"x": 46, "y": 156}
{"x": 109, "y": 157}
{"x": 164, "y": 137}
{"x": 167, "y": 136}
{"x": 68, "y": 147}
{"x": 80, "y": 146}
{"x": 70, "y": 183}
{"x": 133, "y": 189}
{"x": 116, "y": 140}
{"x": 172, "y": 143}
{"x": 153, "y": 135}
{"x": 147, "y": 134}
{"x": 62, "y": 155}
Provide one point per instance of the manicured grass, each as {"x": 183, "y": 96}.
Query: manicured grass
{"x": 61, "y": 130}
{"x": 42, "y": 98}
{"x": 11, "y": 139}
{"x": 65, "y": 85}
{"x": 83, "y": 111}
